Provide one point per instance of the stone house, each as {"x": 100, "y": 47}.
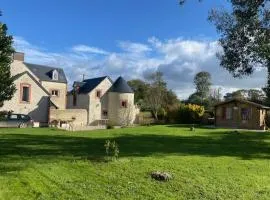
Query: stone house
{"x": 38, "y": 88}
{"x": 104, "y": 100}
{"x": 242, "y": 114}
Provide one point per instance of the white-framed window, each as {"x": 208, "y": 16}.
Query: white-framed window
{"x": 55, "y": 93}
{"x": 55, "y": 75}
{"x": 25, "y": 93}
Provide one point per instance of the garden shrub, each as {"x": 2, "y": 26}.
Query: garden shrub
{"x": 185, "y": 114}
{"x": 110, "y": 125}
{"x": 112, "y": 150}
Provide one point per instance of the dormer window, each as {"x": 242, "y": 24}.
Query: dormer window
{"x": 55, "y": 75}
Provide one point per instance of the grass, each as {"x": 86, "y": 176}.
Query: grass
{"x": 205, "y": 164}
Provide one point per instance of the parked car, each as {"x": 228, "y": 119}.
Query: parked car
{"x": 16, "y": 120}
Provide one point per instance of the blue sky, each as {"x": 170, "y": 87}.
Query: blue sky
{"x": 122, "y": 37}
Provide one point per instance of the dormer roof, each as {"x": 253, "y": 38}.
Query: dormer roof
{"x": 45, "y": 73}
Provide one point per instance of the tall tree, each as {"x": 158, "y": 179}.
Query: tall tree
{"x": 140, "y": 88}
{"x": 245, "y": 37}
{"x": 7, "y": 87}
{"x": 254, "y": 95}
{"x": 202, "y": 81}
{"x": 156, "y": 93}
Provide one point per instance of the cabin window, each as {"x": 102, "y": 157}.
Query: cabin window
{"x": 55, "y": 93}
{"x": 25, "y": 93}
{"x": 245, "y": 113}
{"x": 124, "y": 104}
{"x": 228, "y": 113}
{"x": 98, "y": 93}
{"x": 55, "y": 75}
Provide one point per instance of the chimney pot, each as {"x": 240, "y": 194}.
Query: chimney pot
{"x": 18, "y": 56}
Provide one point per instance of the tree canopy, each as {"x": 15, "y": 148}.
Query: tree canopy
{"x": 7, "y": 87}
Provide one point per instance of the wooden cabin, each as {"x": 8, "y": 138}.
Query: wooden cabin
{"x": 240, "y": 114}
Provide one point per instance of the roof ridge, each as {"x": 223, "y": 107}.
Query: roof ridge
{"x": 41, "y": 65}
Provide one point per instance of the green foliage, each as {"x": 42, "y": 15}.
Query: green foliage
{"x": 202, "y": 81}
{"x": 186, "y": 114}
{"x": 112, "y": 150}
{"x": 110, "y": 125}
{"x": 245, "y": 37}
{"x": 4, "y": 113}
{"x": 153, "y": 95}
{"x": 140, "y": 88}
{"x": 253, "y": 95}
{"x": 7, "y": 86}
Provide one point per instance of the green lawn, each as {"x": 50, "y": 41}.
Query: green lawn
{"x": 206, "y": 164}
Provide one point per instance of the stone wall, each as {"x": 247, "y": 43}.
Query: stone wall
{"x": 77, "y": 117}
{"x": 95, "y": 106}
{"x": 38, "y": 105}
{"x": 116, "y": 113}
{"x": 60, "y": 101}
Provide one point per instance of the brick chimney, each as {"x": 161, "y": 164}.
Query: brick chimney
{"x": 18, "y": 56}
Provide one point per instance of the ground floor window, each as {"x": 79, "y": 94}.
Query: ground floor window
{"x": 25, "y": 93}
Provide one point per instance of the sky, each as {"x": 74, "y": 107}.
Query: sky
{"x": 129, "y": 38}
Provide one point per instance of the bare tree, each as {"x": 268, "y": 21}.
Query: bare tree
{"x": 127, "y": 115}
{"x": 156, "y": 93}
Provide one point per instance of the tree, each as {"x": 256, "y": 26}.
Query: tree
{"x": 7, "y": 87}
{"x": 127, "y": 115}
{"x": 139, "y": 87}
{"x": 156, "y": 93}
{"x": 245, "y": 37}
{"x": 202, "y": 81}
{"x": 254, "y": 95}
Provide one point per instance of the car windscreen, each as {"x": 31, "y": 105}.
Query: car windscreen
{"x": 25, "y": 117}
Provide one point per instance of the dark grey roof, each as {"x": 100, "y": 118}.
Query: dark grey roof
{"x": 33, "y": 78}
{"x": 121, "y": 86}
{"x": 44, "y": 73}
{"x": 88, "y": 85}
{"x": 243, "y": 101}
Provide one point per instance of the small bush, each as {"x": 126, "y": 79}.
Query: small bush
{"x": 185, "y": 114}
{"x": 112, "y": 150}
{"x": 110, "y": 125}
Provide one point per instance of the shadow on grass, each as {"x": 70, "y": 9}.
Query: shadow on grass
{"x": 45, "y": 148}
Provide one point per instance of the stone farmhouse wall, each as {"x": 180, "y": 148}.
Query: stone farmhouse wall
{"x": 38, "y": 106}
{"x": 78, "y": 117}
{"x": 59, "y": 101}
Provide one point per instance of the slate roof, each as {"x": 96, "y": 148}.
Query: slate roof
{"x": 33, "y": 78}
{"x": 121, "y": 86}
{"x": 88, "y": 85}
{"x": 243, "y": 101}
{"x": 44, "y": 73}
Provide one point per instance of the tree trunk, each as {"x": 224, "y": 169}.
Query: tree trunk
{"x": 267, "y": 87}
{"x": 156, "y": 115}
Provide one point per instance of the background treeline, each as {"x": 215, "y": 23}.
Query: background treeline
{"x": 161, "y": 104}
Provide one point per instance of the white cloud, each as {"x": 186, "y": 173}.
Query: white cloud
{"x": 134, "y": 47}
{"x": 88, "y": 49}
{"x": 178, "y": 59}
